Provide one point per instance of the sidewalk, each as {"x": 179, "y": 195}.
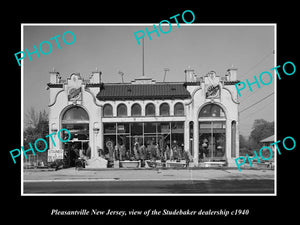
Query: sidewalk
{"x": 71, "y": 174}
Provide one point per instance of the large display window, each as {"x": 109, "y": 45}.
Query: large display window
{"x": 212, "y": 133}
{"x": 147, "y": 140}
{"x": 212, "y": 136}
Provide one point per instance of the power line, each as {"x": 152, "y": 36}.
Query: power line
{"x": 257, "y": 102}
{"x": 263, "y": 59}
{"x": 258, "y": 110}
{"x": 259, "y": 90}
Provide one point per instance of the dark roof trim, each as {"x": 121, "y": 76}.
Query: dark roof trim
{"x": 50, "y": 85}
{"x": 231, "y": 82}
{"x": 143, "y": 91}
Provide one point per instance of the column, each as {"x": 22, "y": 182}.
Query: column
{"x": 186, "y": 135}
{"x": 237, "y": 139}
{"x": 228, "y": 139}
{"x": 196, "y": 142}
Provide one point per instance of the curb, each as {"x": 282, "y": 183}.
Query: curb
{"x": 144, "y": 169}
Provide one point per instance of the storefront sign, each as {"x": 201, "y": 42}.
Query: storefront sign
{"x": 55, "y": 154}
{"x": 212, "y": 91}
{"x": 74, "y": 94}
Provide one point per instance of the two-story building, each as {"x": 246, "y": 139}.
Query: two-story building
{"x": 162, "y": 119}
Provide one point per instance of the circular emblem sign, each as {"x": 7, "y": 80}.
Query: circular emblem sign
{"x": 74, "y": 94}
{"x": 109, "y": 144}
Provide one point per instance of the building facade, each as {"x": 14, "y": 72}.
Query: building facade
{"x": 145, "y": 119}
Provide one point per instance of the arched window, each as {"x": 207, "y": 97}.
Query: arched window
{"x": 150, "y": 109}
{"x": 233, "y": 138}
{"x": 212, "y": 110}
{"x": 164, "y": 109}
{"x": 122, "y": 110}
{"x": 107, "y": 110}
{"x": 178, "y": 109}
{"x": 136, "y": 110}
{"x": 75, "y": 114}
{"x": 76, "y": 120}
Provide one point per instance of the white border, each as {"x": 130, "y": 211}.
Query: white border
{"x": 148, "y": 24}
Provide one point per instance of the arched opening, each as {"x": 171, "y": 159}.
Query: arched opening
{"x": 122, "y": 110}
{"x": 107, "y": 110}
{"x": 212, "y": 110}
{"x": 150, "y": 109}
{"x": 164, "y": 109}
{"x": 76, "y": 120}
{"x": 179, "y": 109}
{"x": 136, "y": 110}
{"x": 212, "y": 133}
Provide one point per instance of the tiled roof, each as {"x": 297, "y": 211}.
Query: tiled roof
{"x": 269, "y": 139}
{"x": 143, "y": 91}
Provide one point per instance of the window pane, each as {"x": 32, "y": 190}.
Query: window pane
{"x": 177, "y": 127}
{"x": 212, "y": 110}
{"x": 79, "y": 131}
{"x": 150, "y": 110}
{"x": 75, "y": 113}
{"x": 163, "y": 127}
{"x": 109, "y": 128}
{"x": 137, "y": 129}
{"x": 212, "y": 141}
{"x": 150, "y": 128}
{"x": 123, "y": 127}
{"x": 122, "y": 110}
{"x": 107, "y": 110}
{"x": 164, "y": 109}
{"x": 136, "y": 110}
{"x": 178, "y": 109}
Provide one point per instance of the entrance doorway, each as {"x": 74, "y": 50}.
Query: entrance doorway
{"x": 212, "y": 136}
{"x": 73, "y": 150}
{"x": 76, "y": 120}
{"x": 212, "y": 133}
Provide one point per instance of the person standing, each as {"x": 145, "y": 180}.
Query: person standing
{"x": 142, "y": 153}
{"x": 88, "y": 152}
{"x": 136, "y": 147}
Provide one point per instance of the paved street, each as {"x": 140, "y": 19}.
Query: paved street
{"x": 159, "y": 186}
{"x": 170, "y": 181}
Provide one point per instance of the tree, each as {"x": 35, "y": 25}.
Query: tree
{"x": 38, "y": 127}
{"x": 244, "y": 145}
{"x": 31, "y": 118}
{"x": 261, "y": 129}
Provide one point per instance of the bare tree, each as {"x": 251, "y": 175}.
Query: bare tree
{"x": 32, "y": 118}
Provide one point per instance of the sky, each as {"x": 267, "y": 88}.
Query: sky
{"x": 111, "y": 48}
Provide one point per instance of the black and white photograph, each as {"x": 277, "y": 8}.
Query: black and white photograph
{"x": 149, "y": 114}
{"x": 169, "y": 114}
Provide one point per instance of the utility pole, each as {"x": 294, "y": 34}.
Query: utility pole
{"x": 122, "y": 74}
{"x": 166, "y": 70}
{"x": 143, "y": 60}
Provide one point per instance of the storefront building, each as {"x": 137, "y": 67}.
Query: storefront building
{"x": 147, "y": 120}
